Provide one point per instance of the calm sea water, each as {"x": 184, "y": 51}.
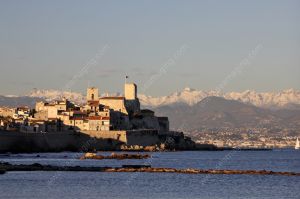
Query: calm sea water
{"x": 157, "y": 185}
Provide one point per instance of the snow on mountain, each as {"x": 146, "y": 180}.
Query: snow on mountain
{"x": 284, "y": 99}
{"x": 190, "y": 96}
{"x": 50, "y": 95}
{"x": 267, "y": 99}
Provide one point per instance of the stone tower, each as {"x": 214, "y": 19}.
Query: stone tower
{"x": 92, "y": 94}
{"x": 130, "y": 91}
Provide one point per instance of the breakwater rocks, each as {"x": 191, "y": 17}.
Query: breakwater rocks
{"x": 138, "y": 168}
{"x": 115, "y": 156}
{"x": 2, "y": 171}
{"x": 201, "y": 171}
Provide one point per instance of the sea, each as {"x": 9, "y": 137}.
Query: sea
{"x": 65, "y": 185}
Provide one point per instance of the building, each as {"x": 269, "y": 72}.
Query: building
{"x": 47, "y": 113}
{"x": 114, "y": 103}
{"x": 110, "y": 113}
{"x": 130, "y": 90}
{"x": 23, "y": 112}
{"x": 92, "y": 94}
{"x": 7, "y": 112}
{"x": 99, "y": 123}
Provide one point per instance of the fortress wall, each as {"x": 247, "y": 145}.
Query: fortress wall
{"x": 117, "y": 104}
{"x": 71, "y": 141}
{"x": 8, "y": 141}
{"x": 31, "y": 142}
{"x": 115, "y": 135}
{"x": 143, "y": 137}
{"x": 131, "y": 137}
{"x": 56, "y": 141}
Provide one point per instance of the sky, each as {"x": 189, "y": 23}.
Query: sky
{"x": 163, "y": 46}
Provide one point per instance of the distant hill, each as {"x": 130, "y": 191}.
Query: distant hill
{"x": 217, "y": 112}
{"x": 288, "y": 99}
{"x": 13, "y": 101}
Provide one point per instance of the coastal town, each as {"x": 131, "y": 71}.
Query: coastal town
{"x": 116, "y": 113}
{"x": 98, "y": 114}
{"x": 118, "y": 122}
{"x": 257, "y": 138}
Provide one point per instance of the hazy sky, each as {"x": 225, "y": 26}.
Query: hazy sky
{"x": 163, "y": 46}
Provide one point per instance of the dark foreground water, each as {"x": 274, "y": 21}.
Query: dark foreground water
{"x": 157, "y": 185}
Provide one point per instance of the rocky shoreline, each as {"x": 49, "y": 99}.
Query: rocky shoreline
{"x": 123, "y": 156}
{"x": 7, "y": 167}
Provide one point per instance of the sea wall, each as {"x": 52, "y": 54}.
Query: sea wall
{"x": 54, "y": 142}
{"x": 11, "y": 141}
{"x": 143, "y": 138}
{"x": 115, "y": 135}
{"x": 131, "y": 137}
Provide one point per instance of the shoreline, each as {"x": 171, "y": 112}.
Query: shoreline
{"x": 7, "y": 153}
{"x": 7, "y": 167}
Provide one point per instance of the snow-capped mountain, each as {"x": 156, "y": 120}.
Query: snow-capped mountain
{"x": 284, "y": 99}
{"x": 281, "y": 99}
{"x": 50, "y": 95}
{"x": 274, "y": 100}
{"x": 187, "y": 96}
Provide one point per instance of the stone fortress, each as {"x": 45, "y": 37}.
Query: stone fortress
{"x": 113, "y": 122}
{"x": 109, "y": 113}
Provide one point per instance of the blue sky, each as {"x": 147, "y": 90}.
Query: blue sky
{"x": 46, "y": 44}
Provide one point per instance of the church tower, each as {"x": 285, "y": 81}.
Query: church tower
{"x": 92, "y": 94}
{"x": 130, "y": 91}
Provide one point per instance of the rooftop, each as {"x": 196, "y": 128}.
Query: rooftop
{"x": 116, "y": 97}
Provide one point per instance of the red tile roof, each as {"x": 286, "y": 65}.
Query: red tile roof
{"x": 93, "y": 103}
{"x": 117, "y": 98}
{"x": 23, "y": 108}
{"x": 77, "y": 118}
{"x": 98, "y": 118}
{"x": 94, "y": 118}
{"x": 79, "y": 113}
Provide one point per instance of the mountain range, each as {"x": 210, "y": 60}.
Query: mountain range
{"x": 191, "y": 110}
{"x": 288, "y": 99}
{"x": 216, "y": 112}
